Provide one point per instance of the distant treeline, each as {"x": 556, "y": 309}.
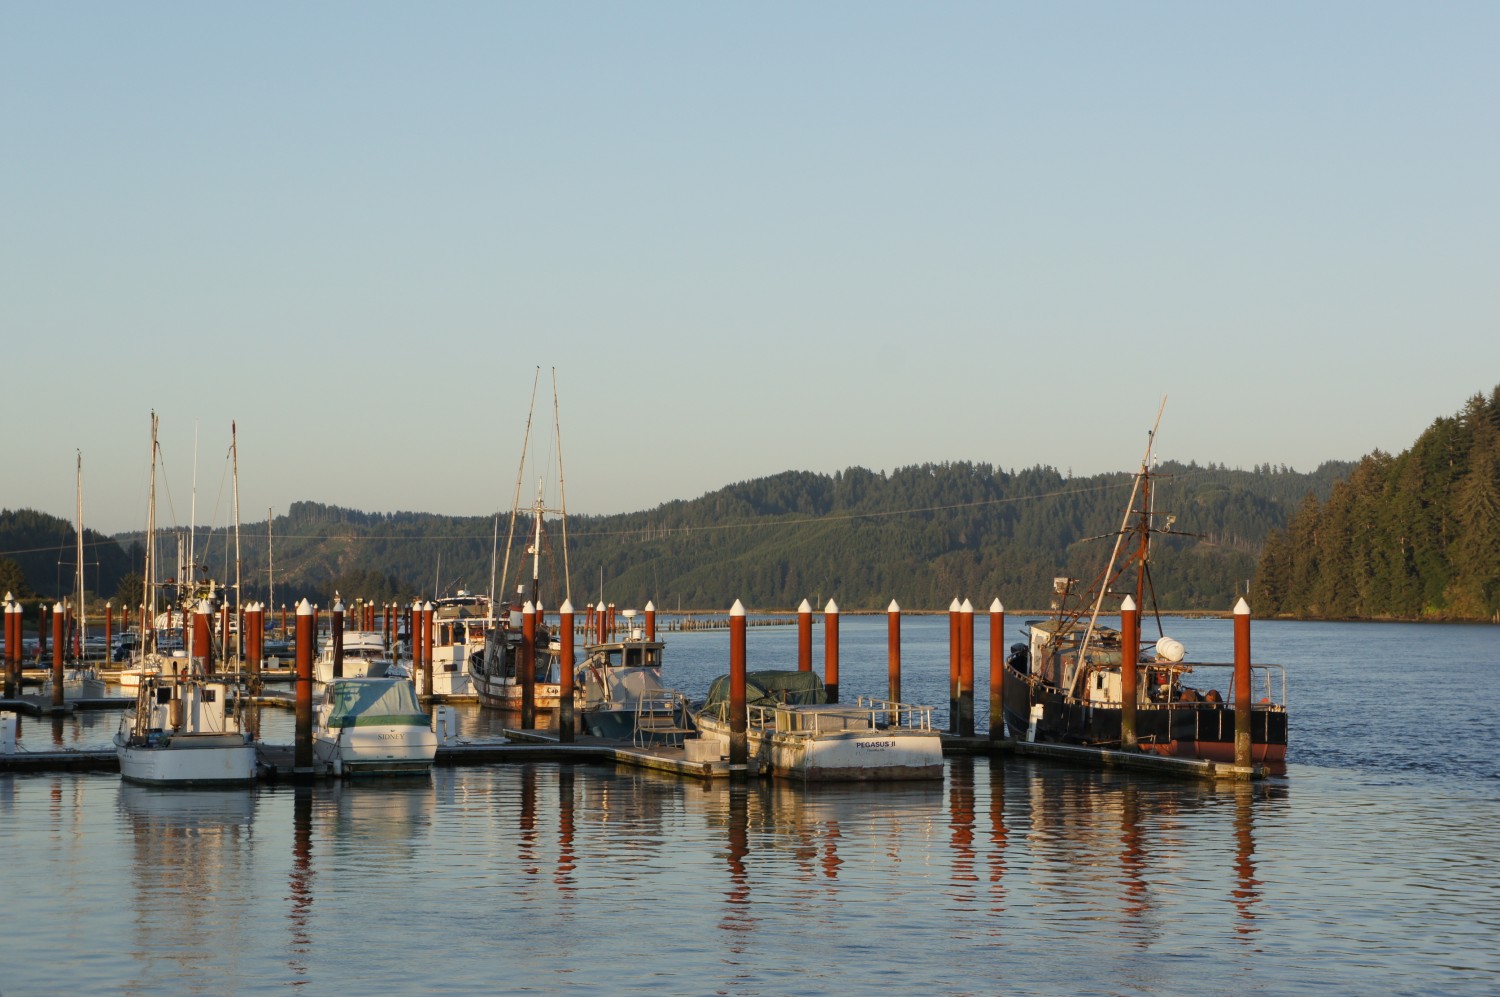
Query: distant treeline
{"x": 920, "y": 535}
{"x": 39, "y": 557}
{"x": 1411, "y": 536}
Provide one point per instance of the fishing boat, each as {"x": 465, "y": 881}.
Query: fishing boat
{"x": 792, "y": 731}
{"x": 622, "y": 696}
{"x": 1065, "y": 683}
{"x": 184, "y": 731}
{"x": 364, "y": 653}
{"x": 373, "y": 726}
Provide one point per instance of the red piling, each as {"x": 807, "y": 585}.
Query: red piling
{"x": 601, "y": 633}
{"x": 302, "y": 755}
{"x": 831, "y": 650}
{"x": 1130, "y": 653}
{"x": 739, "y": 743}
{"x": 953, "y": 666}
{"x": 804, "y": 637}
{"x": 58, "y": 621}
{"x": 202, "y": 653}
{"x": 338, "y": 637}
{"x": 108, "y": 626}
{"x": 427, "y": 616}
{"x": 966, "y": 669}
{"x": 650, "y": 620}
{"x": 565, "y": 673}
{"x": 893, "y": 651}
{"x": 1242, "y": 683}
{"x": 12, "y": 646}
{"x": 997, "y": 670}
{"x": 526, "y": 667}
{"x": 41, "y": 631}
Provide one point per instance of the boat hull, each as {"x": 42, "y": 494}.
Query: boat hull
{"x": 385, "y": 750}
{"x": 877, "y": 755}
{"x": 189, "y": 760}
{"x": 1176, "y": 730}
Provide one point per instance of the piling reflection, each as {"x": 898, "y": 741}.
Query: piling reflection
{"x": 299, "y": 916}
{"x": 566, "y": 860}
{"x": 961, "y": 822}
{"x": 737, "y": 918}
{"x": 1246, "y": 894}
{"x": 999, "y": 836}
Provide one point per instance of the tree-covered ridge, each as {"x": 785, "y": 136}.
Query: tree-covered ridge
{"x": 919, "y": 535}
{"x": 43, "y": 554}
{"x": 1411, "y": 536}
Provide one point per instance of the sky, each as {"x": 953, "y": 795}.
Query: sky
{"x": 748, "y": 238}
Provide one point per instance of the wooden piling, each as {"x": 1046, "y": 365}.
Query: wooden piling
{"x": 202, "y": 652}
{"x": 966, "y": 668}
{"x": 953, "y": 666}
{"x": 338, "y": 637}
{"x": 526, "y": 666}
{"x": 565, "y": 673}
{"x": 804, "y": 637}
{"x": 12, "y": 646}
{"x": 739, "y": 742}
{"x": 1130, "y": 653}
{"x": 831, "y": 650}
{"x": 427, "y": 616}
{"x": 108, "y": 626}
{"x": 302, "y": 755}
{"x": 1242, "y": 684}
{"x": 58, "y": 643}
{"x": 893, "y": 651}
{"x": 997, "y": 671}
{"x": 650, "y": 620}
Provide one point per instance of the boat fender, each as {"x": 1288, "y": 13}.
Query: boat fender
{"x": 1170, "y": 649}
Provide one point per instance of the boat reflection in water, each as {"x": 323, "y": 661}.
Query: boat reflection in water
{"x": 190, "y": 849}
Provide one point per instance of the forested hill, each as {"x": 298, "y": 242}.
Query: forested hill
{"x": 39, "y": 557}
{"x": 920, "y": 535}
{"x": 1412, "y": 536}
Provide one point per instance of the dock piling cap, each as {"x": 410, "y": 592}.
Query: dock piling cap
{"x": 832, "y": 608}
{"x": 566, "y": 607}
{"x": 304, "y": 608}
{"x": 996, "y": 607}
{"x": 806, "y": 607}
{"x": 1242, "y": 608}
{"x": 738, "y": 609}
{"x": 953, "y": 606}
{"x": 966, "y": 607}
{"x": 893, "y": 608}
{"x": 1127, "y": 605}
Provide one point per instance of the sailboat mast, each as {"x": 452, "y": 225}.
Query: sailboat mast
{"x": 515, "y": 505}
{"x": 239, "y": 631}
{"x": 148, "y": 639}
{"x": 270, "y": 566}
{"x": 562, "y": 492}
{"x": 83, "y": 620}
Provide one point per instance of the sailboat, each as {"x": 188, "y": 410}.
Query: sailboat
{"x": 80, "y": 680}
{"x": 496, "y": 668}
{"x": 1064, "y": 684}
{"x": 185, "y": 728}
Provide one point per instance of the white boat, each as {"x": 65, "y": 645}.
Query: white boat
{"x": 373, "y": 726}
{"x": 181, "y": 733}
{"x": 459, "y": 623}
{"x": 792, "y": 731}
{"x": 621, "y": 692}
{"x": 79, "y": 682}
{"x": 364, "y": 654}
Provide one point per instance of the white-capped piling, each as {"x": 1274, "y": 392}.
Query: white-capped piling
{"x": 739, "y": 743}
{"x": 997, "y": 670}
{"x": 58, "y": 621}
{"x": 565, "y": 673}
{"x": 831, "y": 650}
{"x": 893, "y": 651}
{"x": 650, "y": 620}
{"x": 953, "y": 653}
{"x": 338, "y": 636}
{"x": 804, "y": 637}
{"x": 966, "y": 668}
{"x": 526, "y": 666}
{"x": 1130, "y": 653}
{"x": 302, "y": 754}
{"x": 1242, "y": 706}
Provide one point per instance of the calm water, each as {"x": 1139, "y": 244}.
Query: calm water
{"x": 1370, "y": 868}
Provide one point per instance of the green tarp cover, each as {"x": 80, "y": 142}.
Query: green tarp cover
{"x": 768, "y": 689}
{"x": 369, "y": 703}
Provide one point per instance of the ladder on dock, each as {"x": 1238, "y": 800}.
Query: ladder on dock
{"x": 661, "y": 713}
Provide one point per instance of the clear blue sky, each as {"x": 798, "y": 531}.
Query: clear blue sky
{"x": 750, "y": 238}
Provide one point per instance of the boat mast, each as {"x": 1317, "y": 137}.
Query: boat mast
{"x": 515, "y": 506}
{"x": 562, "y": 492}
{"x": 270, "y": 565}
{"x": 82, "y": 622}
{"x": 148, "y": 639}
{"x": 239, "y": 631}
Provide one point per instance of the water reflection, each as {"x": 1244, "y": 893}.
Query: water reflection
{"x": 299, "y": 918}
{"x": 1246, "y": 894}
{"x": 189, "y": 852}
